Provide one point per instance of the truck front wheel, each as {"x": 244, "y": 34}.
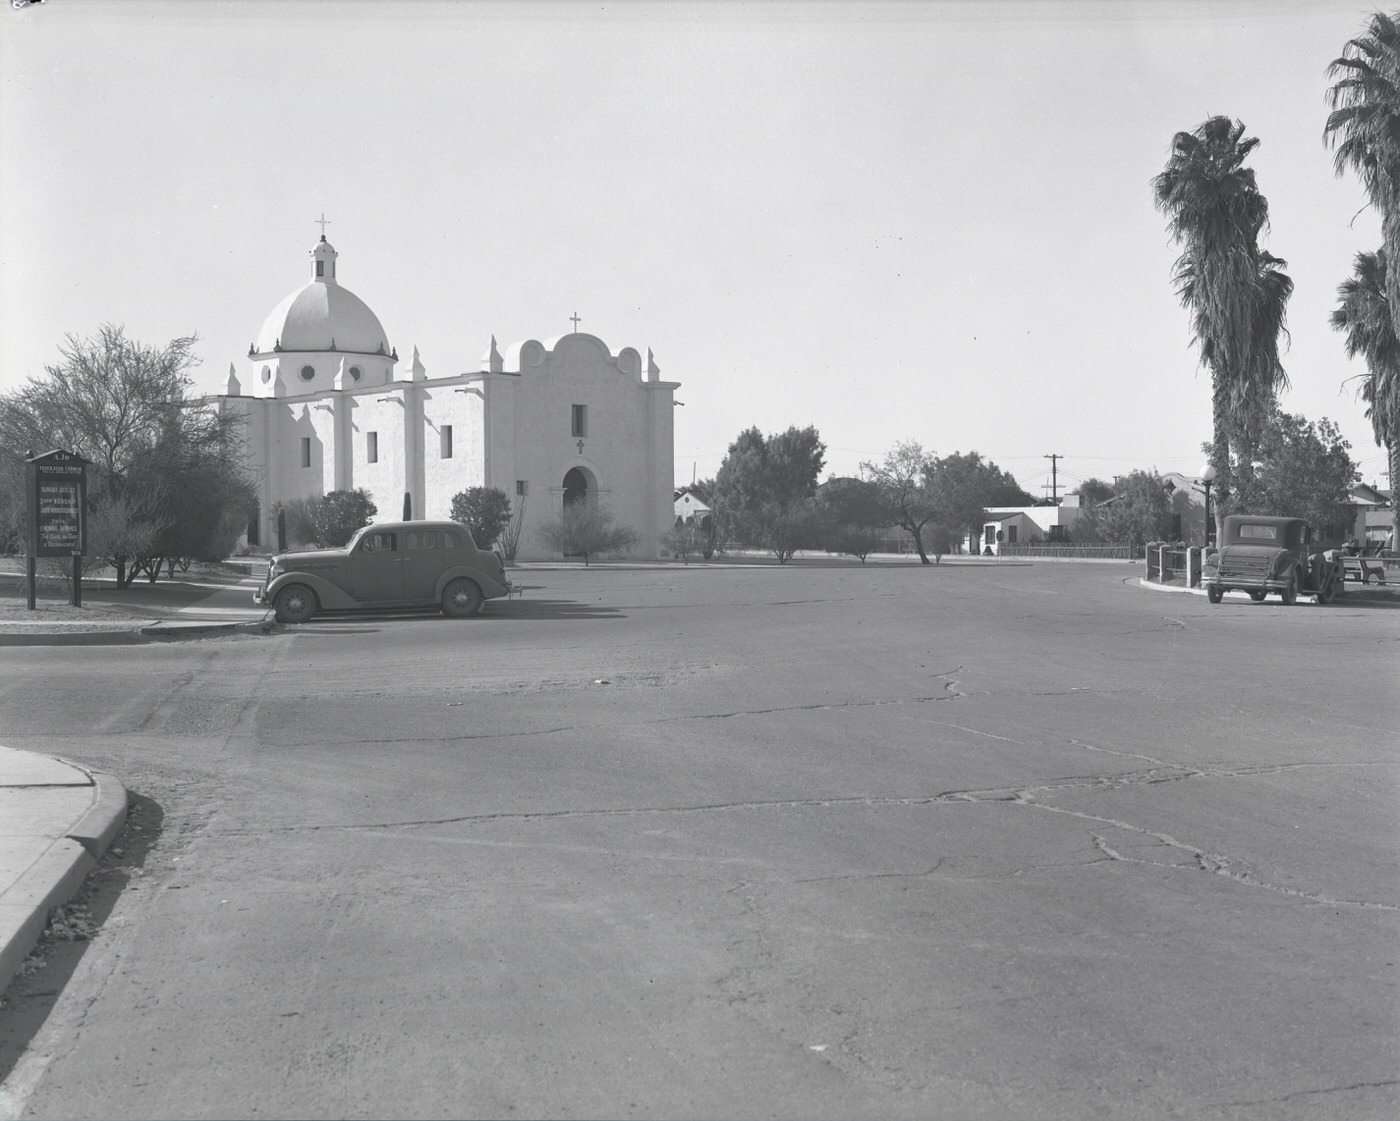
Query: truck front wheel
{"x": 295, "y": 604}
{"x": 1215, "y": 593}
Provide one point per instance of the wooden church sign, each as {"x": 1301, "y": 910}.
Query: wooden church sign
{"x": 57, "y": 505}
{"x": 57, "y": 502}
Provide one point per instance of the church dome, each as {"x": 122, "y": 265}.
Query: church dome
{"x": 323, "y": 316}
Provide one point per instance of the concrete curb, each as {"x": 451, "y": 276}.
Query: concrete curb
{"x": 50, "y": 882}
{"x": 161, "y": 632}
{"x": 140, "y": 631}
{"x": 1144, "y": 582}
{"x": 1364, "y": 594}
{"x": 104, "y": 820}
{"x": 58, "y": 874}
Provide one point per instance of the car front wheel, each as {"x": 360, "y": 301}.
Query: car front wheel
{"x": 460, "y": 599}
{"x": 1215, "y": 593}
{"x": 295, "y": 604}
{"x": 1290, "y": 591}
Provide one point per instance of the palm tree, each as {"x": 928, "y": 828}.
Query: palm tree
{"x": 1236, "y": 293}
{"x": 1256, "y": 393}
{"x": 1364, "y": 128}
{"x": 1365, "y": 314}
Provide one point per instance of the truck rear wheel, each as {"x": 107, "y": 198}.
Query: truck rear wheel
{"x": 460, "y": 599}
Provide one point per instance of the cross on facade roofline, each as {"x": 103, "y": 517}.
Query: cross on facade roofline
{"x": 323, "y": 222}
{"x": 575, "y": 321}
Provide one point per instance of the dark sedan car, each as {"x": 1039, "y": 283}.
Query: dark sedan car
{"x": 387, "y": 565}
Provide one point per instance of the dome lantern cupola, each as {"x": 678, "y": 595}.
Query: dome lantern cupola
{"x": 324, "y": 256}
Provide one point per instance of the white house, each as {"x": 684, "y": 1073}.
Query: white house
{"x": 1019, "y": 525}
{"x": 689, "y": 510}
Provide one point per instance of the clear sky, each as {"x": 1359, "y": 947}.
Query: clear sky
{"x": 893, "y": 221}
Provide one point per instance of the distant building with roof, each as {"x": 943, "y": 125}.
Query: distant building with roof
{"x": 689, "y": 509}
{"x": 1373, "y": 516}
{"x": 329, "y": 405}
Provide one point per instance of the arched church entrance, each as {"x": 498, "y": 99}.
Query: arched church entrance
{"x": 575, "y": 487}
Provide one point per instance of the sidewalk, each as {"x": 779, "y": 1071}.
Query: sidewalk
{"x": 211, "y": 600}
{"x": 56, "y": 818}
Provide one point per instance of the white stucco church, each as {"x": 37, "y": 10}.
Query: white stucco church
{"x": 329, "y": 405}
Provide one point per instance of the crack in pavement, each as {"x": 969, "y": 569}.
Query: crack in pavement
{"x": 952, "y": 692}
{"x": 1308, "y": 1093}
{"x": 1160, "y": 771}
{"x": 1203, "y": 861}
{"x": 1199, "y": 859}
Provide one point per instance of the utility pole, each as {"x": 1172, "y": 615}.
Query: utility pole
{"x": 1054, "y": 478}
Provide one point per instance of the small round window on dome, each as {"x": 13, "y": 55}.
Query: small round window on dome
{"x": 308, "y": 372}
{"x": 355, "y": 373}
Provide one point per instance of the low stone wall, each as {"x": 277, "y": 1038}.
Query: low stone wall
{"x": 1068, "y": 552}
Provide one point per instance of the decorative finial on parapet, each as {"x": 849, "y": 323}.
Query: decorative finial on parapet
{"x": 492, "y": 361}
{"x": 418, "y": 368}
{"x": 653, "y": 370}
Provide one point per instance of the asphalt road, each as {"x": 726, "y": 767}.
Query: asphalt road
{"x": 971, "y": 841}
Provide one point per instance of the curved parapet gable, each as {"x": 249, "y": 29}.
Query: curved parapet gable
{"x": 531, "y": 354}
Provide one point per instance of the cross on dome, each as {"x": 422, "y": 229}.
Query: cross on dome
{"x": 323, "y": 222}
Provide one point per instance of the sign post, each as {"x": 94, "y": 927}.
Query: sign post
{"x": 57, "y": 493}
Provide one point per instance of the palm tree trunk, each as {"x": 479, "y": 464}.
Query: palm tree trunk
{"x": 1220, "y": 458}
{"x": 1390, "y": 237}
{"x": 1394, "y": 450}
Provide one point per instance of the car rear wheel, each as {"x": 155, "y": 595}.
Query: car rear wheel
{"x": 460, "y": 599}
{"x": 1215, "y": 593}
{"x": 1290, "y": 591}
{"x": 1328, "y": 593}
{"x": 295, "y": 604}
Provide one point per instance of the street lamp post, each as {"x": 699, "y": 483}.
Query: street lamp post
{"x": 1208, "y": 477}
